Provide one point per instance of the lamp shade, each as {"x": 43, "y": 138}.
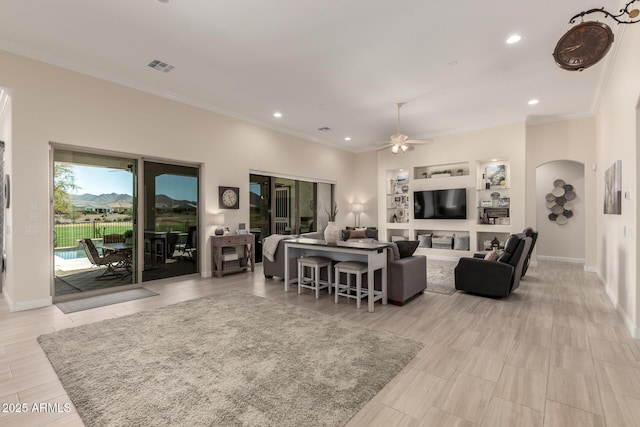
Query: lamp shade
{"x": 218, "y": 219}
{"x": 357, "y": 208}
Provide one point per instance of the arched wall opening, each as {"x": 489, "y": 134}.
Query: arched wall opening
{"x": 561, "y": 222}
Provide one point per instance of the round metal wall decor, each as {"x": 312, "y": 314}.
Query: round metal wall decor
{"x": 559, "y": 202}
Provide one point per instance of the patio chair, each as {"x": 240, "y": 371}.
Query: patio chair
{"x": 111, "y": 261}
{"x": 191, "y": 245}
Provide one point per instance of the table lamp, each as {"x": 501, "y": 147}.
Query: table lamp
{"x": 357, "y": 209}
{"x": 218, "y": 219}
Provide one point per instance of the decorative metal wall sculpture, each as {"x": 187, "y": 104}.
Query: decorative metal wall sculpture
{"x": 560, "y": 202}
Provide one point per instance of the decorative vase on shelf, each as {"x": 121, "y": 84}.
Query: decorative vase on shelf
{"x": 332, "y": 233}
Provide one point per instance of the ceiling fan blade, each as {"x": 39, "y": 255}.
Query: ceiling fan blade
{"x": 385, "y": 146}
{"x": 419, "y": 141}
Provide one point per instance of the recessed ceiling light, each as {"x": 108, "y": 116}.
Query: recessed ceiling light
{"x": 277, "y": 115}
{"x": 515, "y": 38}
{"x": 533, "y": 102}
{"x": 347, "y": 138}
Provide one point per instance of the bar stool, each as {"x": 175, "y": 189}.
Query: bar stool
{"x": 314, "y": 264}
{"x": 344, "y": 290}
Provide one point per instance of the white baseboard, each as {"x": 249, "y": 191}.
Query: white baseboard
{"x": 29, "y": 305}
{"x": 633, "y": 329}
{"x": 560, "y": 259}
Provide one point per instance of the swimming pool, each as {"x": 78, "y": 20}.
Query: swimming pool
{"x": 70, "y": 253}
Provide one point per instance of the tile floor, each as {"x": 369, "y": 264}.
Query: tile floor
{"x": 554, "y": 353}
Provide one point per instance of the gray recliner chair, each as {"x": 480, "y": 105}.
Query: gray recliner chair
{"x": 494, "y": 278}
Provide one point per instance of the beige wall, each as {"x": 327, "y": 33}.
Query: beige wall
{"x": 567, "y": 140}
{"x": 366, "y": 170}
{"x": 51, "y": 104}
{"x": 617, "y": 139}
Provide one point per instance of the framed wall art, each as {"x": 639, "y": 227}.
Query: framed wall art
{"x": 613, "y": 189}
{"x": 496, "y": 175}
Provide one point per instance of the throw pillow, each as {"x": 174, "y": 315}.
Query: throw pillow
{"x": 491, "y": 256}
{"x": 371, "y": 233}
{"x": 407, "y": 247}
{"x": 359, "y": 233}
{"x": 424, "y": 240}
{"x": 394, "y": 251}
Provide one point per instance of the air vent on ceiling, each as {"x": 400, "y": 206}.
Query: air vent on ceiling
{"x": 324, "y": 129}
{"x": 160, "y": 66}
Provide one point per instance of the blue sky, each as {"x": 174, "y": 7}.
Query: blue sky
{"x": 98, "y": 180}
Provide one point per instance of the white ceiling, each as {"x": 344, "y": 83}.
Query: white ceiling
{"x": 336, "y": 63}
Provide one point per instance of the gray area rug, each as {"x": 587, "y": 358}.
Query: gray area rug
{"x": 225, "y": 360}
{"x": 86, "y": 281}
{"x": 103, "y": 300}
{"x": 440, "y": 277}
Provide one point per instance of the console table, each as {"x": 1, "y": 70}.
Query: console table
{"x": 374, "y": 254}
{"x": 242, "y": 244}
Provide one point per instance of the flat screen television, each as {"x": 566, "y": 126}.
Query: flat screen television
{"x": 440, "y": 204}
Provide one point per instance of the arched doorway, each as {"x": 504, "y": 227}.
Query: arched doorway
{"x": 560, "y": 239}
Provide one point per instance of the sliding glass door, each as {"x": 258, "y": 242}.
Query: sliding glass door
{"x": 287, "y": 206}
{"x": 94, "y": 206}
{"x": 95, "y": 230}
{"x": 170, "y": 220}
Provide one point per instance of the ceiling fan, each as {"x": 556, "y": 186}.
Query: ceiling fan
{"x": 401, "y": 142}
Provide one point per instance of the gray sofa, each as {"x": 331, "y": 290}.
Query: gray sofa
{"x": 406, "y": 277}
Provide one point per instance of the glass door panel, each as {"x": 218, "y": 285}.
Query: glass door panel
{"x": 170, "y": 220}
{"x": 308, "y": 206}
{"x": 94, "y": 205}
{"x": 259, "y": 210}
{"x": 285, "y": 206}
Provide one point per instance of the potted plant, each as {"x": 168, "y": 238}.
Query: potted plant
{"x": 442, "y": 173}
{"x": 128, "y": 237}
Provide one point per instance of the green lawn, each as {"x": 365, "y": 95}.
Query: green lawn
{"x": 69, "y": 234}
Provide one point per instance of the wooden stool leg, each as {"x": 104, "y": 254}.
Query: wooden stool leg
{"x": 337, "y": 280}
{"x": 316, "y": 280}
{"x": 358, "y": 289}
{"x": 300, "y": 277}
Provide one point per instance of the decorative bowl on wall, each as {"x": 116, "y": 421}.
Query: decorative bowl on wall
{"x": 559, "y": 202}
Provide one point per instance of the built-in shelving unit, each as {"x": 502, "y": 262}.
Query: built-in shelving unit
{"x": 484, "y": 239}
{"x": 493, "y": 193}
{"x": 489, "y": 210}
{"x": 397, "y": 197}
{"x": 443, "y": 239}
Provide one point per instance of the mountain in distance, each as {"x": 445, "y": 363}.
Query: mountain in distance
{"x": 114, "y": 199}
{"x": 102, "y": 199}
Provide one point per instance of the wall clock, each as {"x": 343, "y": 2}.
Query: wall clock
{"x": 229, "y": 197}
{"x": 583, "y": 46}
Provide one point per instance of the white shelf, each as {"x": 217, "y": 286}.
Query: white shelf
{"x": 430, "y": 171}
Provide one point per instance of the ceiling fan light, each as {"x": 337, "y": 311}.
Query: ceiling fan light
{"x": 398, "y": 138}
{"x": 394, "y": 148}
{"x": 404, "y": 147}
